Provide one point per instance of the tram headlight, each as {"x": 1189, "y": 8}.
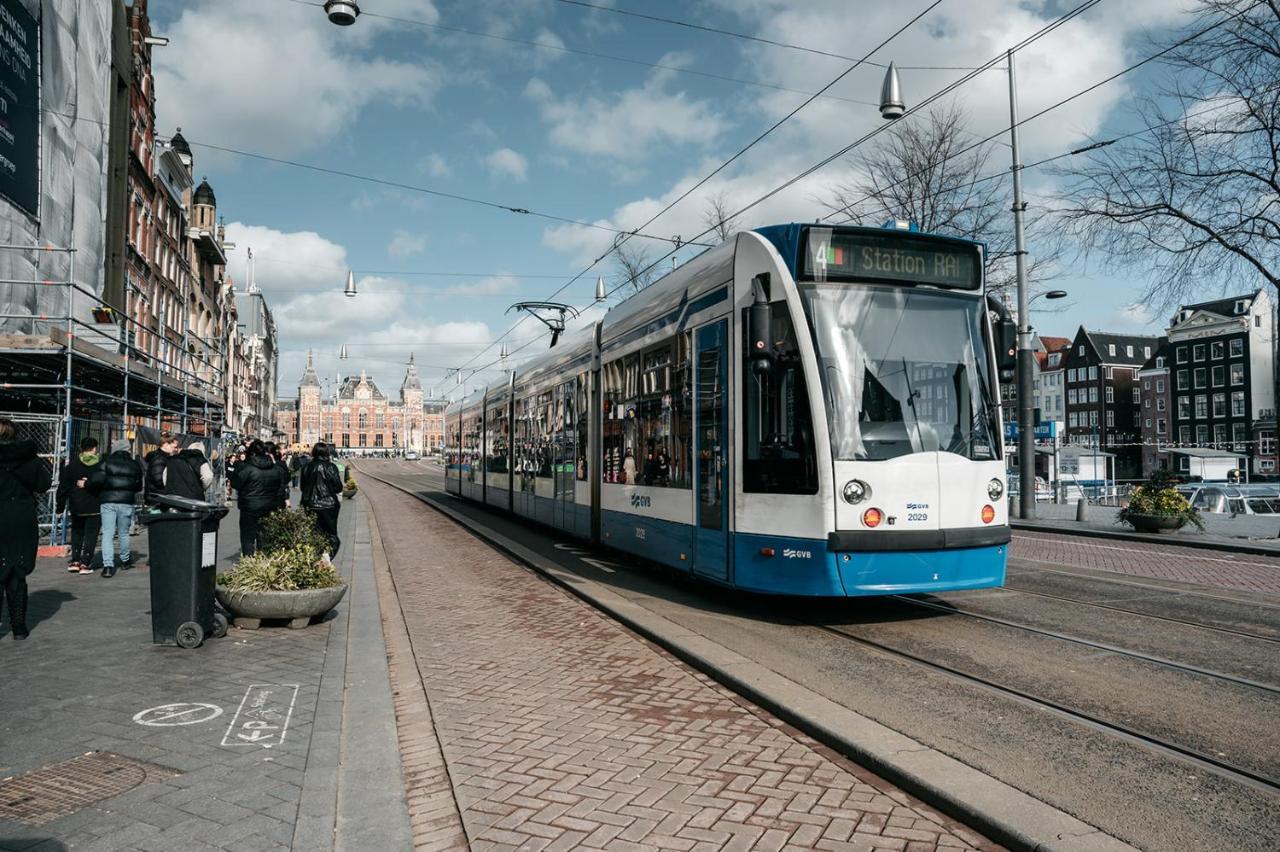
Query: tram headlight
{"x": 855, "y": 491}
{"x": 995, "y": 488}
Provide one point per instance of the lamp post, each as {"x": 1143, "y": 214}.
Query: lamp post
{"x": 892, "y": 106}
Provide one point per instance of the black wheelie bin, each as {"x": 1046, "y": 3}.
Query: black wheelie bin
{"x": 183, "y": 535}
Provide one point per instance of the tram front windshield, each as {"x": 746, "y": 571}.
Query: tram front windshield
{"x": 904, "y": 371}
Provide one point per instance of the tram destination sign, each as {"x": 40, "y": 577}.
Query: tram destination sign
{"x": 19, "y": 106}
{"x": 891, "y": 257}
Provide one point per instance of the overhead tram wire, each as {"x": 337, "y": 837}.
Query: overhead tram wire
{"x": 1038, "y": 34}
{"x": 675, "y": 22}
{"x": 618, "y": 244}
{"x": 436, "y": 193}
{"x": 591, "y": 54}
{"x": 1042, "y": 112}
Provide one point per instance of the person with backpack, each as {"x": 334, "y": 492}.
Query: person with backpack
{"x": 86, "y": 508}
{"x": 182, "y": 473}
{"x": 116, "y": 480}
{"x": 259, "y": 482}
{"x": 322, "y": 494}
{"x": 24, "y": 476}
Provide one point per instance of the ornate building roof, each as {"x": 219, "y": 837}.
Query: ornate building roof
{"x": 352, "y": 387}
{"x": 411, "y": 381}
{"x": 309, "y": 377}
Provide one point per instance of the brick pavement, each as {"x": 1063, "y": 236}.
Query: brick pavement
{"x": 89, "y": 666}
{"x": 559, "y": 729}
{"x": 1157, "y": 561}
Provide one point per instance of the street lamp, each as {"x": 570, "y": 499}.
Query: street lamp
{"x": 893, "y": 106}
{"x": 342, "y": 12}
{"x": 350, "y": 289}
{"x": 1050, "y": 294}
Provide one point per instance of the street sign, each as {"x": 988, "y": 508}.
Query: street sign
{"x": 262, "y": 719}
{"x": 179, "y": 713}
{"x": 1046, "y": 431}
{"x": 19, "y": 106}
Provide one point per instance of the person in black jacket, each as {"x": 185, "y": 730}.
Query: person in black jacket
{"x": 273, "y": 450}
{"x": 258, "y": 481}
{"x": 172, "y": 470}
{"x": 117, "y": 481}
{"x": 23, "y": 478}
{"x": 86, "y": 508}
{"x": 321, "y": 493}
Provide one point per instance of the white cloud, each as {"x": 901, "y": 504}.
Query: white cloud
{"x": 551, "y": 47}
{"x": 627, "y": 125}
{"x": 493, "y": 286}
{"x": 405, "y": 244}
{"x": 278, "y": 78}
{"x": 505, "y": 162}
{"x": 434, "y": 165}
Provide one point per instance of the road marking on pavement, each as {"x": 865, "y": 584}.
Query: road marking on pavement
{"x": 180, "y": 713}
{"x": 599, "y": 563}
{"x": 262, "y": 718}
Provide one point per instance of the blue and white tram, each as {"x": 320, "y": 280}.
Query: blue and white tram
{"x": 802, "y": 410}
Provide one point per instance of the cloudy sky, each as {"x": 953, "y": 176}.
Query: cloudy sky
{"x": 581, "y": 114}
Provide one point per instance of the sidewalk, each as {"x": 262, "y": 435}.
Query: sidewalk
{"x": 172, "y": 769}
{"x": 528, "y": 720}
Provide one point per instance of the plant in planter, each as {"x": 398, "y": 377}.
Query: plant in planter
{"x": 349, "y": 486}
{"x": 289, "y": 578}
{"x": 1157, "y": 506}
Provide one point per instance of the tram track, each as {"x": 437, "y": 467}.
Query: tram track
{"x": 1089, "y": 643}
{"x": 1085, "y": 575}
{"x": 1101, "y": 605}
{"x": 1195, "y": 757}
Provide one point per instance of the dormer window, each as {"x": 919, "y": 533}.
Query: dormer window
{"x": 1128, "y": 352}
{"x": 1159, "y": 363}
{"x": 1111, "y": 349}
{"x": 1242, "y": 306}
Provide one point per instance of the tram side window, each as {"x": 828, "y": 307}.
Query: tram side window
{"x": 584, "y": 405}
{"x": 470, "y": 447}
{"x": 647, "y": 418}
{"x": 453, "y": 456}
{"x": 777, "y": 438}
{"x": 497, "y": 444}
{"x": 544, "y": 426}
{"x": 567, "y": 452}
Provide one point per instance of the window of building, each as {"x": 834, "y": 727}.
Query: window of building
{"x": 1148, "y": 423}
{"x": 1242, "y": 305}
{"x": 1160, "y": 426}
{"x": 1267, "y": 442}
{"x": 1146, "y": 403}
{"x": 1146, "y": 352}
{"x": 1201, "y": 375}
{"x": 1109, "y": 372}
{"x": 1197, "y": 352}
{"x": 1184, "y": 380}
{"x": 1093, "y": 373}
{"x": 1137, "y": 394}
{"x": 1219, "y": 434}
{"x": 1128, "y": 351}
{"x": 1160, "y": 403}
{"x": 363, "y": 439}
{"x": 1071, "y": 374}
{"x": 1237, "y": 437}
{"x": 363, "y": 418}
{"x": 1093, "y": 418}
{"x": 1111, "y": 418}
{"x": 1237, "y": 403}
{"x": 1202, "y": 406}
{"x": 1093, "y": 394}
{"x": 1080, "y": 349}
{"x": 1159, "y": 385}
{"x": 1182, "y": 354}
{"x": 1219, "y": 405}
{"x": 1237, "y": 374}
{"x": 1111, "y": 394}
{"x": 1146, "y": 385}
{"x": 1072, "y": 420}
{"x": 1216, "y": 349}
{"x": 1184, "y": 434}
{"x": 1202, "y": 434}
{"x": 1237, "y": 347}
{"x": 1111, "y": 349}
{"x": 1219, "y": 376}
{"x": 346, "y": 439}
{"x": 1257, "y": 321}
{"x": 1071, "y": 396}
{"x": 1184, "y": 407}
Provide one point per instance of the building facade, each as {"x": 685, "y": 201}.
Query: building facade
{"x": 1103, "y": 399}
{"x": 359, "y": 419}
{"x": 1222, "y": 358}
{"x": 1050, "y": 385}
{"x": 1157, "y": 410}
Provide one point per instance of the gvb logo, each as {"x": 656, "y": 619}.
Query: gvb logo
{"x": 639, "y": 501}
{"x": 792, "y": 553}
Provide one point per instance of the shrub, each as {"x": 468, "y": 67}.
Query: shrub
{"x": 285, "y": 528}
{"x": 283, "y": 570}
{"x": 350, "y": 483}
{"x": 1158, "y": 496}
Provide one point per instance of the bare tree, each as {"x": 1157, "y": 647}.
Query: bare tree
{"x": 716, "y": 216}
{"x": 1193, "y": 200}
{"x": 635, "y": 268}
{"x": 929, "y": 171}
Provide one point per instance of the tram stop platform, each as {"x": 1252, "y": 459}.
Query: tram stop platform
{"x": 529, "y": 720}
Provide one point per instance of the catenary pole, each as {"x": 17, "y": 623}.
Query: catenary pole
{"x": 1026, "y": 401}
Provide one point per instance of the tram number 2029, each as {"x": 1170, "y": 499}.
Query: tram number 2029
{"x": 915, "y": 512}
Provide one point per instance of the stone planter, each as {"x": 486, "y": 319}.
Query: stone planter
{"x": 297, "y": 607}
{"x": 1156, "y": 523}
{"x": 348, "y": 493}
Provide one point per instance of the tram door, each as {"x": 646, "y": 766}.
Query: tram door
{"x": 562, "y": 466}
{"x": 711, "y": 446}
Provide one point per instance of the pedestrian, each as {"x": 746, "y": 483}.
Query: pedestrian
{"x": 322, "y": 493}
{"x": 86, "y": 508}
{"x": 178, "y": 472}
{"x": 258, "y": 481}
{"x": 194, "y": 457}
{"x": 116, "y": 480}
{"x": 23, "y": 477}
{"x": 277, "y": 455}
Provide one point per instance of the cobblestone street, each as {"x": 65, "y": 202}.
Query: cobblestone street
{"x": 561, "y": 730}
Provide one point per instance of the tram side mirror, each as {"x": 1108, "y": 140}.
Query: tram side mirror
{"x": 1006, "y": 345}
{"x": 760, "y": 325}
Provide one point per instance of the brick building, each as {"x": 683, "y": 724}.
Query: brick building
{"x": 1103, "y": 394}
{"x": 1157, "y": 410}
{"x": 359, "y": 418}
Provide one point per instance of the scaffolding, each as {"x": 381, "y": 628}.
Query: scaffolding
{"x": 72, "y": 368}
